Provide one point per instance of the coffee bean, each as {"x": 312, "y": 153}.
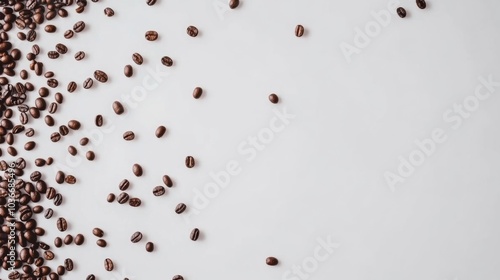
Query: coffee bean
{"x": 100, "y": 76}
{"x": 150, "y": 247}
{"x": 233, "y": 4}
{"x": 30, "y": 132}
{"x": 197, "y": 92}
{"x": 401, "y": 12}
{"x": 150, "y": 2}
{"x": 88, "y": 83}
{"x": 128, "y": 71}
{"x": 23, "y": 118}
{"x": 58, "y": 242}
{"x": 29, "y": 145}
{"x": 60, "y": 177}
{"x": 124, "y": 185}
{"x": 80, "y": 55}
{"x": 90, "y": 155}
{"x": 50, "y": 28}
{"x": 177, "y": 277}
{"x": 136, "y": 237}
{"x": 79, "y": 239}
{"x": 51, "y": 193}
{"x": 72, "y": 150}
{"x": 135, "y": 202}
{"x": 192, "y": 31}
{"x": 84, "y": 141}
{"x": 123, "y": 198}
{"x": 190, "y": 162}
{"x": 101, "y": 243}
{"x": 38, "y": 209}
{"x": 90, "y": 277}
{"x": 35, "y": 176}
{"x": 98, "y": 232}
{"x": 72, "y": 86}
{"x": 167, "y": 61}
{"x": 61, "y": 48}
{"x": 31, "y": 36}
{"x": 68, "y": 264}
{"x": 49, "y": 120}
{"x": 181, "y": 207}
{"x": 110, "y": 198}
{"x": 167, "y": 181}
{"x": 23, "y": 74}
{"x": 151, "y": 35}
{"x": 273, "y": 98}
{"x": 58, "y": 97}
{"x": 62, "y": 225}
{"x": 53, "y": 54}
{"x": 38, "y": 67}
{"x": 48, "y": 213}
{"x": 272, "y": 261}
{"x": 109, "y": 12}
{"x": 64, "y": 130}
{"x": 128, "y": 135}
{"x": 421, "y": 4}
{"x": 34, "y": 112}
{"x": 48, "y": 255}
{"x": 70, "y": 179}
{"x": 74, "y": 124}
{"x": 68, "y": 239}
{"x": 58, "y": 199}
{"x": 159, "y": 191}
{"x": 60, "y": 271}
{"x": 53, "y": 108}
{"x": 160, "y": 131}
{"x": 118, "y": 108}
{"x": 79, "y": 26}
{"x": 195, "y": 234}
{"x": 108, "y": 264}
{"x": 137, "y": 58}
{"x": 299, "y": 30}
{"x": 68, "y": 34}
{"x": 50, "y": 160}
{"x": 137, "y": 170}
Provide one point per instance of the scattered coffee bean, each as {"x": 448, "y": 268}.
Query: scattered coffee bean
{"x": 190, "y": 162}
{"x": 58, "y": 199}
{"x": 50, "y": 28}
{"x": 177, "y": 277}
{"x": 197, "y": 92}
{"x": 58, "y": 97}
{"x": 167, "y": 181}
{"x": 124, "y": 184}
{"x": 150, "y": 2}
{"x": 99, "y": 120}
{"x": 128, "y": 135}
{"x": 111, "y": 197}
{"x": 68, "y": 264}
{"x": 62, "y": 225}
{"x": 137, "y": 170}
{"x": 233, "y": 4}
{"x": 401, "y": 12}
{"x": 84, "y": 141}
{"x": 195, "y": 233}
{"x": 421, "y": 4}
{"x": 68, "y": 239}
{"x": 123, "y": 198}
{"x": 128, "y": 71}
{"x": 109, "y": 12}
{"x": 79, "y": 55}
{"x": 79, "y": 26}
{"x": 90, "y": 155}
{"x": 79, "y": 239}
{"x": 151, "y": 35}
{"x": 192, "y": 31}
{"x": 272, "y": 261}
{"x": 30, "y": 132}
{"x": 48, "y": 255}
{"x": 68, "y": 34}
{"x": 136, "y": 237}
{"x": 167, "y": 61}
{"x": 60, "y": 177}
{"x": 108, "y": 264}
{"x": 49, "y": 120}
{"x": 72, "y": 87}
{"x": 90, "y": 277}
{"x": 58, "y": 242}
{"x": 48, "y": 213}
{"x": 29, "y": 145}
{"x": 70, "y": 179}
{"x": 101, "y": 243}
{"x": 74, "y": 124}
{"x": 159, "y": 191}
{"x": 273, "y": 98}
{"x": 160, "y": 131}
{"x": 64, "y": 130}
{"x": 88, "y": 83}
{"x": 137, "y": 58}
{"x": 53, "y": 54}
{"x": 118, "y": 108}
{"x": 299, "y": 30}
{"x": 150, "y": 247}
{"x": 53, "y": 108}
{"x": 181, "y": 207}
{"x": 135, "y": 202}
{"x": 61, "y": 48}
{"x": 72, "y": 150}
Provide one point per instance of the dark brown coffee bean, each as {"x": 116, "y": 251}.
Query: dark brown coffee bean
{"x": 51, "y": 193}
{"x": 52, "y": 83}
{"x": 31, "y": 35}
{"x": 72, "y": 150}
{"x": 137, "y": 170}
{"x": 100, "y": 76}
{"x": 136, "y": 237}
{"x": 61, "y": 48}
{"x": 79, "y": 26}
{"x": 79, "y": 239}
{"x": 272, "y": 261}
{"x": 123, "y": 198}
{"x": 421, "y": 4}
{"x": 192, "y": 31}
{"x": 58, "y": 242}
{"x": 23, "y": 118}
{"x": 135, "y": 202}
{"x": 160, "y": 131}
{"x": 21, "y": 36}
{"x": 195, "y": 234}
{"x": 84, "y": 141}
{"x": 108, "y": 264}
{"x": 299, "y": 30}
{"x": 74, "y": 124}
{"x": 53, "y": 108}
{"x": 60, "y": 271}
{"x": 150, "y": 2}
{"x": 167, "y": 61}
{"x": 177, "y": 277}
{"x": 90, "y": 277}
{"x": 58, "y": 97}
{"x": 23, "y": 74}
{"x": 401, "y": 12}
{"x": 80, "y": 55}
{"x": 60, "y": 177}
{"x": 90, "y": 155}
{"x": 137, "y": 58}
{"x": 48, "y": 255}
{"x": 64, "y": 130}
{"x": 68, "y": 264}
{"x": 35, "y": 176}
{"x": 101, "y": 243}
{"x": 273, "y": 98}
{"x": 48, "y": 74}
{"x": 50, "y": 160}
{"x": 98, "y": 232}
{"x": 68, "y": 239}
{"x": 124, "y": 185}
{"x": 181, "y": 207}
{"x": 72, "y": 86}
{"x": 29, "y": 145}
{"x": 197, "y": 92}
{"x": 30, "y": 132}
{"x": 128, "y": 135}
{"x": 118, "y": 108}
{"x": 150, "y": 247}
{"x": 190, "y": 162}
{"x": 53, "y": 54}
{"x": 159, "y": 191}
{"x": 88, "y": 83}
{"x": 167, "y": 181}
{"x": 151, "y": 35}
{"x": 110, "y": 198}
{"x": 38, "y": 68}
{"x": 58, "y": 199}
{"x": 70, "y": 179}
{"x": 68, "y": 34}
{"x": 34, "y": 112}
{"x": 128, "y": 71}
{"x": 62, "y": 225}
{"x": 233, "y": 4}
{"x": 109, "y": 12}
{"x": 49, "y": 120}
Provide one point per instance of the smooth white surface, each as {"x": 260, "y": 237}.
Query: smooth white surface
{"x": 322, "y": 175}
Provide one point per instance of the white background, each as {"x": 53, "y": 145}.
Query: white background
{"x": 323, "y": 175}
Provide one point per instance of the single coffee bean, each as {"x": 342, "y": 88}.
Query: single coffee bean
{"x": 137, "y": 170}
{"x": 68, "y": 264}
{"x": 29, "y": 145}
{"x": 53, "y": 54}
{"x": 38, "y": 209}
{"x": 197, "y": 92}
{"x": 53, "y": 83}
{"x": 123, "y": 198}
{"x": 167, "y": 61}
{"x": 123, "y": 186}
{"x": 151, "y": 35}
{"x": 181, "y": 207}
{"x": 30, "y": 132}
{"x": 60, "y": 271}
{"x": 137, "y": 58}
{"x": 98, "y": 120}
{"x": 51, "y": 193}
{"x": 74, "y": 124}
{"x": 150, "y": 247}
{"x": 90, "y": 155}
{"x": 90, "y": 277}
{"x": 60, "y": 177}
{"x": 192, "y": 31}
{"x": 136, "y": 237}
{"x": 72, "y": 150}
{"x": 160, "y": 131}
{"x": 58, "y": 97}
{"x": 110, "y": 198}
{"x": 68, "y": 34}
{"x": 62, "y": 225}
{"x": 109, "y": 12}
{"x": 233, "y": 4}
{"x": 108, "y": 264}
{"x": 272, "y": 261}
{"x": 53, "y": 108}
{"x": 159, "y": 191}
{"x": 128, "y": 71}
{"x": 167, "y": 181}
{"x": 72, "y": 86}
{"x": 299, "y": 30}
{"x": 79, "y": 55}
{"x": 48, "y": 255}
{"x": 128, "y": 135}
{"x": 49, "y": 120}
{"x": 64, "y": 130}
{"x": 79, "y": 26}
{"x": 61, "y": 48}
{"x": 23, "y": 74}
{"x": 48, "y": 74}
{"x": 84, "y": 141}
{"x": 79, "y": 239}
{"x": 68, "y": 239}
{"x": 88, "y": 83}
{"x": 135, "y": 202}
{"x": 50, "y": 160}
{"x": 101, "y": 243}
{"x": 58, "y": 199}
{"x": 34, "y": 112}
{"x": 150, "y": 2}
{"x": 58, "y": 242}
{"x": 190, "y": 162}
{"x": 195, "y": 234}
{"x": 421, "y": 4}
{"x": 98, "y": 232}
{"x": 177, "y": 277}
{"x": 23, "y": 118}
{"x": 100, "y": 76}
{"x": 48, "y": 213}
{"x": 118, "y": 108}
{"x": 401, "y": 12}
{"x": 273, "y": 98}
{"x": 70, "y": 179}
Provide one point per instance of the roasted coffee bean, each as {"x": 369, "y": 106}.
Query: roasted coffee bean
{"x": 79, "y": 26}
{"x": 61, "y": 48}
{"x": 137, "y": 170}
{"x": 192, "y": 31}
{"x": 23, "y": 74}
{"x": 128, "y": 71}
{"x": 21, "y": 36}
{"x": 58, "y": 199}
{"x": 38, "y": 209}
{"x": 68, "y": 239}
{"x": 23, "y": 118}
{"x": 100, "y": 76}
{"x": 177, "y": 277}
{"x": 150, "y": 247}
{"x": 60, "y": 271}
{"x": 84, "y": 141}
{"x": 159, "y": 191}
{"x": 90, "y": 155}
{"x": 72, "y": 86}
{"x": 70, "y": 179}
{"x": 53, "y": 108}
{"x": 68, "y": 34}
{"x": 72, "y": 150}
{"x": 99, "y": 120}
{"x": 299, "y": 30}
{"x": 74, "y": 124}
{"x": 48, "y": 74}
{"x": 52, "y": 83}
{"x": 233, "y": 4}
{"x": 49, "y": 120}
{"x": 48, "y": 255}
{"x": 88, "y": 83}
{"x": 135, "y": 202}
{"x": 101, "y": 243}
{"x": 123, "y": 198}
{"x": 31, "y": 35}
{"x": 38, "y": 68}
{"x": 151, "y": 35}
{"x": 401, "y": 12}
{"x": 51, "y": 193}
{"x": 160, "y": 131}
{"x": 43, "y": 92}
{"x": 98, "y": 232}
{"x": 167, "y": 61}
{"x": 64, "y": 130}
{"x": 136, "y": 237}
{"x": 272, "y": 261}
{"x": 80, "y": 55}
{"x": 62, "y": 225}
{"x": 197, "y": 92}
{"x": 29, "y": 145}
{"x": 68, "y": 264}
{"x": 190, "y": 162}
{"x": 128, "y": 135}
{"x": 124, "y": 184}
{"x": 58, "y": 97}
{"x": 35, "y": 176}
{"x": 53, "y": 54}
{"x": 90, "y": 277}
{"x": 273, "y": 98}
{"x": 118, "y": 108}
{"x": 60, "y": 177}
{"x": 79, "y": 239}
{"x": 421, "y": 4}
{"x": 195, "y": 234}
{"x": 109, "y": 12}
{"x": 55, "y": 137}
{"x": 34, "y": 112}
{"x": 181, "y": 207}
{"x": 108, "y": 264}
{"x": 150, "y": 2}
{"x": 50, "y": 160}
{"x": 110, "y": 198}
{"x": 137, "y": 58}
{"x": 167, "y": 181}
{"x": 58, "y": 242}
